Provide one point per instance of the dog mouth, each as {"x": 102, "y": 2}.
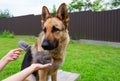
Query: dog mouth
{"x": 46, "y": 45}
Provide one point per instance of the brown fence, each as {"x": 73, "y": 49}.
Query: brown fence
{"x": 96, "y": 25}
{"x": 85, "y": 25}
{"x": 23, "y": 25}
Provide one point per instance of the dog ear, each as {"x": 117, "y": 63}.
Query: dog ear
{"x": 45, "y": 14}
{"x": 62, "y": 14}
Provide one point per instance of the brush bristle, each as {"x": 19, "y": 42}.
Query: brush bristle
{"x": 24, "y": 45}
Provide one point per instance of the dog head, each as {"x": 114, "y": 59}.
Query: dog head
{"x": 54, "y": 27}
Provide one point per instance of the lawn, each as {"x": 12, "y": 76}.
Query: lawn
{"x": 92, "y": 62}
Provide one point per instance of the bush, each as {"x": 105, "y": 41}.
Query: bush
{"x": 5, "y": 14}
{"x": 7, "y": 34}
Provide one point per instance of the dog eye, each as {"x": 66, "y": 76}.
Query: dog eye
{"x": 44, "y": 30}
{"x": 54, "y": 29}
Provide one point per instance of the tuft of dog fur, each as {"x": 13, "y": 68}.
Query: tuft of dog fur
{"x": 42, "y": 57}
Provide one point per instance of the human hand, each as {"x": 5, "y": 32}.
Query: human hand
{"x": 38, "y": 66}
{"x": 13, "y": 54}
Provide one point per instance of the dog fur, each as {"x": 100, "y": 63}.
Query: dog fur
{"x": 53, "y": 39}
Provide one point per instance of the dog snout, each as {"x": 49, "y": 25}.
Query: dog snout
{"x": 45, "y": 44}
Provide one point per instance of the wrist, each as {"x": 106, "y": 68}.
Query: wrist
{"x": 3, "y": 63}
{"x": 33, "y": 68}
{"x": 4, "y": 59}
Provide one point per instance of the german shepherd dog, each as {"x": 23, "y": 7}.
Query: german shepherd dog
{"x": 53, "y": 39}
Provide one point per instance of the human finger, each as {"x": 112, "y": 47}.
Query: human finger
{"x": 18, "y": 49}
{"x": 15, "y": 56}
{"x": 17, "y": 52}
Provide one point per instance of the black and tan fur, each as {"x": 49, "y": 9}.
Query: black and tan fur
{"x": 53, "y": 40}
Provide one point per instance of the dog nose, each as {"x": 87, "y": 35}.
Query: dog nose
{"x": 45, "y": 44}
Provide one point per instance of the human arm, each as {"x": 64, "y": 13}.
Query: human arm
{"x": 11, "y": 56}
{"x": 20, "y": 76}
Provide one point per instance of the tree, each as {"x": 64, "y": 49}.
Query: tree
{"x": 100, "y": 5}
{"x": 85, "y": 5}
{"x": 116, "y": 3}
{"x": 5, "y": 14}
{"x": 54, "y": 9}
{"x": 75, "y": 5}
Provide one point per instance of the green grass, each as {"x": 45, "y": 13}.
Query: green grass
{"x": 7, "y": 44}
{"x": 92, "y": 62}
